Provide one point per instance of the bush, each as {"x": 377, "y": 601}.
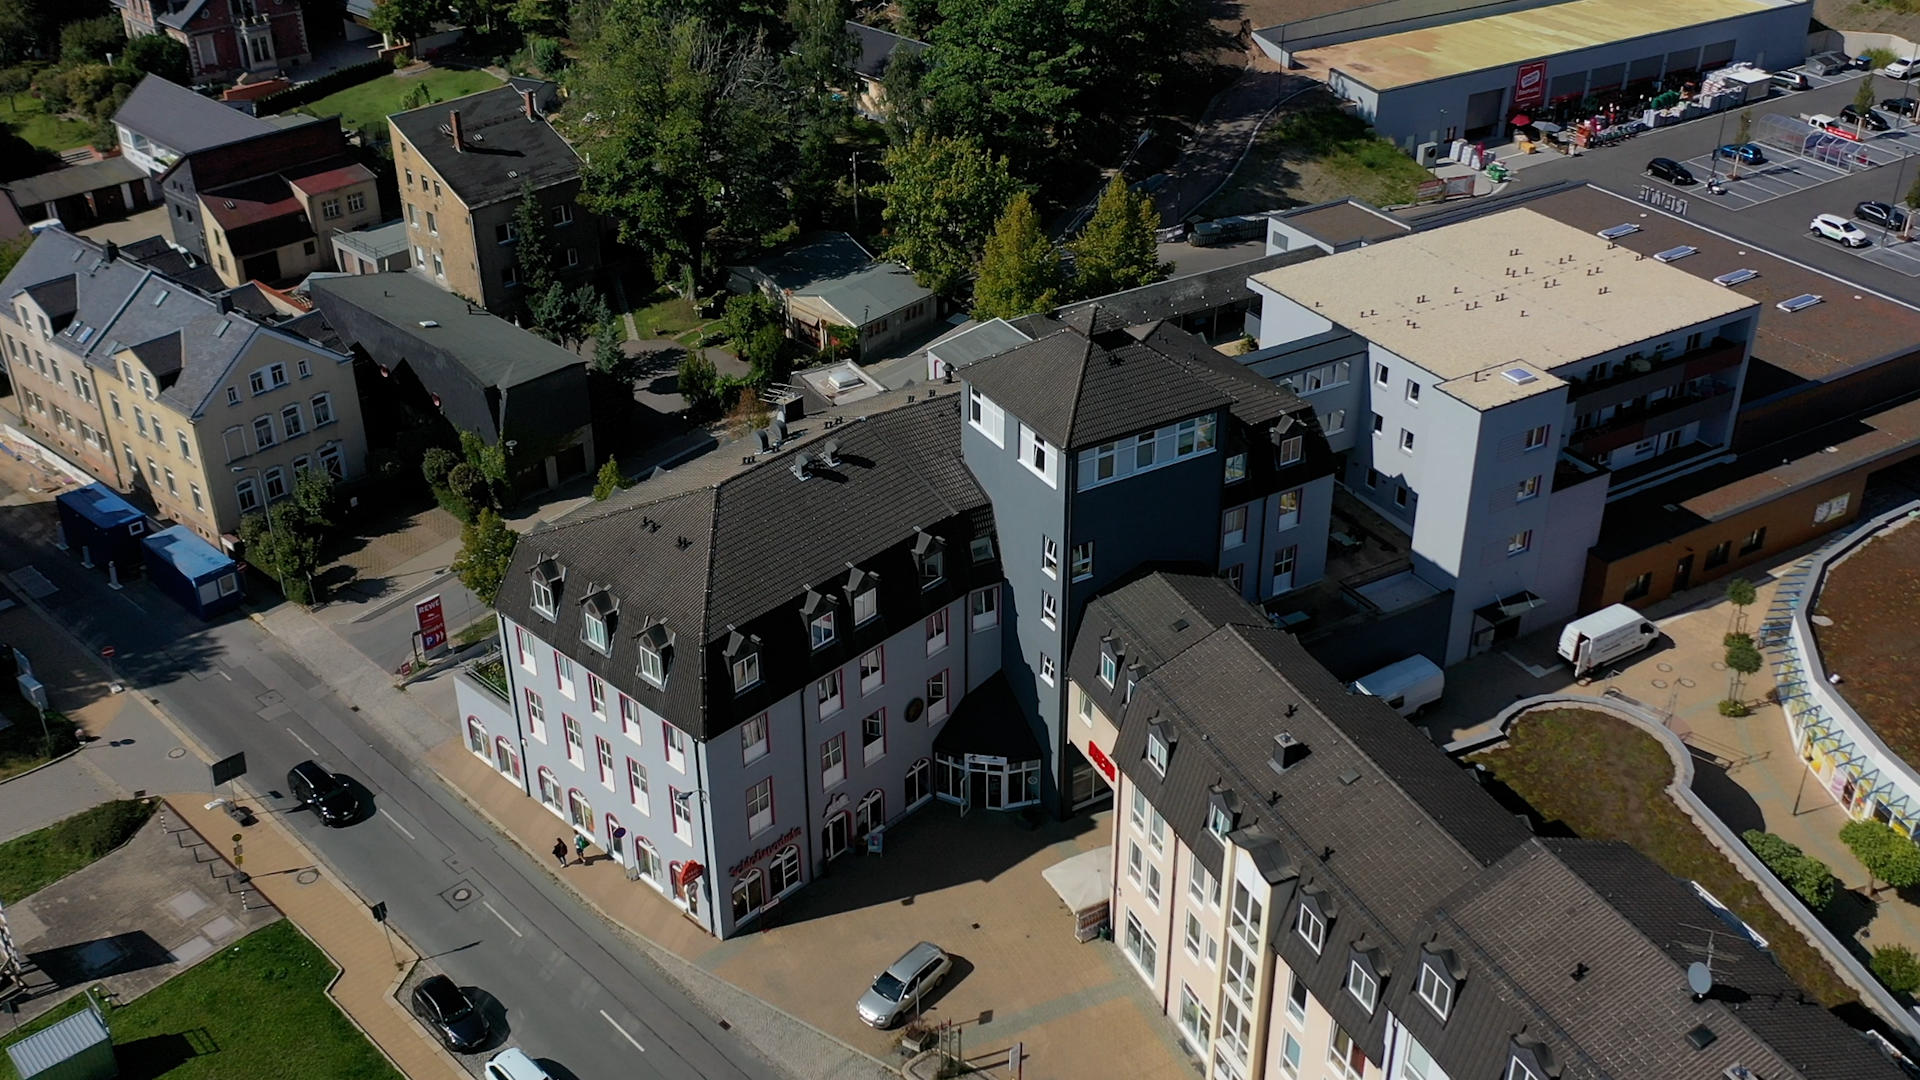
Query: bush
{"x": 699, "y": 383}
{"x": 545, "y": 55}
{"x": 1734, "y": 707}
{"x": 1810, "y": 879}
{"x": 1897, "y": 967}
{"x": 1737, "y": 638}
{"x": 436, "y": 463}
{"x": 463, "y": 493}
{"x": 607, "y": 481}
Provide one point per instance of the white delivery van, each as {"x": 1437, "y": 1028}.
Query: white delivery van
{"x": 1406, "y": 685}
{"x": 1591, "y": 641}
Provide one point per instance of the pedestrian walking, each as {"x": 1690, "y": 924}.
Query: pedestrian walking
{"x": 560, "y": 850}
{"x": 580, "y": 848}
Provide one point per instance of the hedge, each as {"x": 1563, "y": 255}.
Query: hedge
{"x": 331, "y": 82}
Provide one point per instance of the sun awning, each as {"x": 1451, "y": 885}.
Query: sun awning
{"x": 1084, "y": 881}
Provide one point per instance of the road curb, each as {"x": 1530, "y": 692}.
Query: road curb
{"x": 49, "y": 763}
{"x": 660, "y": 954}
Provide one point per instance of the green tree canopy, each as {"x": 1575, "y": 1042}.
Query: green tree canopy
{"x": 87, "y": 41}
{"x": 285, "y": 538}
{"x": 158, "y": 54}
{"x": 486, "y": 550}
{"x": 608, "y": 480}
{"x": 1887, "y": 855}
{"x": 406, "y": 20}
{"x": 699, "y": 383}
{"x": 1020, "y": 272}
{"x": 1117, "y": 249}
{"x": 532, "y": 244}
{"x": 943, "y": 197}
{"x": 1897, "y": 968}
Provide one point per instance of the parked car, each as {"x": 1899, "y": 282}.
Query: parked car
{"x": 1839, "y": 230}
{"x": 1902, "y": 69}
{"x": 1828, "y": 63}
{"x": 333, "y": 802}
{"x": 900, "y": 988}
{"x": 1671, "y": 171}
{"x": 1900, "y": 106}
{"x": 450, "y": 1014}
{"x": 1885, "y": 215}
{"x": 1791, "y": 80}
{"x": 1873, "y": 120}
{"x": 1745, "y": 153}
{"x": 514, "y": 1064}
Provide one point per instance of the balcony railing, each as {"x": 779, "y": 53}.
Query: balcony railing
{"x": 1631, "y": 378}
{"x": 1631, "y": 425}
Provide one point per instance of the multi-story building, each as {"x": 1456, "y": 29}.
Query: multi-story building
{"x": 150, "y": 384}
{"x": 305, "y": 149}
{"x": 1073, "y": 433}
{"x": 277, "y": 228}
{"x": 1310, "y": 888}
{"x": 1498, "y": 380}
{"x": 464, "y": 166}
{"x": 161, "y": 122}
{"x": 224, "y": 39}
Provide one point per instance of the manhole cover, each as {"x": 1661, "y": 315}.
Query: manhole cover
{"x": 1688, "y": 683}
{"x": 460, "y": 895}
{"x": 271, "y": 697}
{"x": 307, "y": 876}
{"x": 1659, "y": 684}
{"x": 1663, "y": 666}
{"x": 177, "y": 752}
{"x": 1719, "y": 665}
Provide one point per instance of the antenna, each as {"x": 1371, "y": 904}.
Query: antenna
{"x": 1700, "y": 979}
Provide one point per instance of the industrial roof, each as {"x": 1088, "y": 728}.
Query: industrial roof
{"x": 838, "y": 272}
{"x": 1438, "y": 52}
{"x": 376, "y": 241}
{"x": 1345, "y": 222}
{"x": 1513, "y": 292}
{"x": 77, "y": 180}
{"x": 498, "y": 353}
{"x": 188, "y": 553}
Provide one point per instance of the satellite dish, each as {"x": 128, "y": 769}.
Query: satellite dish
{"x": 1699, "y": 979}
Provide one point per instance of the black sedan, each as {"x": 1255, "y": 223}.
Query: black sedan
{"x": 333, "y": 802}
{"x": 1873, "y": 120}
{"x": 1900, "y": 106}
{"x": 450, "y": 1014}
{"x": 1885, "y": 215}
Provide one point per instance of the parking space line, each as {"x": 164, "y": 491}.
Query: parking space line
{"x": 502, "y": 918}
{"x": 303, "y": 742}
{"x": 395, "y": 822}
{"x": 622, "y": 1031}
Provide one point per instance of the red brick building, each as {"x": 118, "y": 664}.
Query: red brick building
{"x": 224, "y": 37}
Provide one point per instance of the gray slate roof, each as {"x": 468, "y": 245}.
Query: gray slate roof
{"x": 75, "y": 180}
{"x": 978, "y": 341}
{"x": 1190, "y": 293}
{"x": 181, "y": 120}
{"x": 504, "y": 151}
{"x": 842, "y": 274}
{"x": 878, "y": 48}
{"x": 495, "y": 351}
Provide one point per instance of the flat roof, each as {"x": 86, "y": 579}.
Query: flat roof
{"x": 1511, "y": 292}
{"x": 1345, "y": 222}
{"x": 1439, "y": 52}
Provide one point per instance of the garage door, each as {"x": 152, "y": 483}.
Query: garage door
{"x": 1483, "y": 113}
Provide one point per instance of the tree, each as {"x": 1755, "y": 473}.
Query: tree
{"x": 539, "y": 18}
{"x": 743, "y": 317}
{"x": 11, "y": 250}
{"x": 489, "y": 461}
{"x": 90, "y": 40}
{"x": 1863, "y": 101}
{"x": 1020, "y": 271}
{"x": 698, "y": 382}
{"x": 1897, "y": 968}
{"x": 1742, "y": 660}
{"x": 943, "y": 197}
{"x": 607, "y": 481}
{"x": 532, "y": 244}
{"x": 1741, "y": 136}
{"x": 402, "y": 21}
{"x": 1117, "y": 249}
{"x": 609, "y": 349}
{"x": 285, "y": 539}
{"x": 691, "y": 138}
{"x": 1740, "y": 593}
{"x": 158, "y": 54}
{"x": 766, "y": 356}
{"x": 15, "y": 81}
{"x": 568, "y": 316}
{"x": 1809, "y": 878}
{"x": 486, "y": 550}
{"x": 1888, "y": 856}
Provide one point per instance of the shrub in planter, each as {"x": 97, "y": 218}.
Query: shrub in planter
{"x": 1731, "y": 707}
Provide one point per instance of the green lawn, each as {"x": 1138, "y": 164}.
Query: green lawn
{"x": 257, "y": 1008}
{"x": 32, "y": 862}
{"x": 1548, "y": 761}
{"x": 665, "y": 315}
{"x": 484, "y": 630}
{"x": 56, "y": 133}
{"x": 23, "y": 745}
{"x": 369, "y": 104}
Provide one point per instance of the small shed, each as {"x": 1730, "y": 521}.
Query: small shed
{"x": 77, "y": 1048}
{"x": 201, "y": 577}
{"x": 102, "y": 526}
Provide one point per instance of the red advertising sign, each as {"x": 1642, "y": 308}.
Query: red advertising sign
{"x": 1102, "y": 762}
{"x": 1530, "y": 86}
{"x": 433, "y": 623}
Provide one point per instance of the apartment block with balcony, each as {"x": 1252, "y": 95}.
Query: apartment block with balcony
{"x": 1497, "y": 380}
{"x": 169, "y": 390}
{"x": 730, "y": 679}
{"x": 1310, "y": 889}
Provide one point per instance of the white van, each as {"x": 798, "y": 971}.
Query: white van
{"x": 1406, "y": 685}
{"x": 1591, "y": 641}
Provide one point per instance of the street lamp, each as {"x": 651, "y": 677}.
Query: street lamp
{"x": 279, "y": 576}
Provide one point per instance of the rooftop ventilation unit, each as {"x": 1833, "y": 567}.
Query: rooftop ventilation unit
{"x": 830, "y": 454}
{"x": 1287, "y": 752}
{"x": 1675, "y": 254}
{"x": 1519, "y": 376}
{"x": 428, "y": 324}
{"x": 844, "y": 379}
{"x": 1736, "y": 277}
{"x": 1798, "y": 303}
{"x": 1618, "y": 231}
{"x": 801, "y": 470}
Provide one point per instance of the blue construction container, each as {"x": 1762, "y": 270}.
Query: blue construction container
{"x": 102, "y": 526}
{"x": 204, "y": 579}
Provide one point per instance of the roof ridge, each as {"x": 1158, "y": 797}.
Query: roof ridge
{"x": 1080, "y": 383}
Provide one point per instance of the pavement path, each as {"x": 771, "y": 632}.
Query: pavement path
{"x": 1225, "y": 130}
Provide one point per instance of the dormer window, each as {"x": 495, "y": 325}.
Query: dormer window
{"x": 744, "y": 655}
{"x": 656, "y": 654}
{"x": 820, "y": 630}
{"x": 1109, "y": 662}
{"x": 1160, "y": 740}
{"x": 596, "y": 631}
{"x": 1220, "y": 814}
{"x": 1529, "y": 1059}
{"x": 863, "y": 591}
{"x": 930, "y": 555}
{"x": 981, "y": 548}
{"x": 547, "y": 576}
{"x": 1133, "y": 680}
{"x": 1438, "y": 977}
{"x": 597, "y": 612}
{"x": 1363, "y": 976}
{"x": 1311, "y": 927}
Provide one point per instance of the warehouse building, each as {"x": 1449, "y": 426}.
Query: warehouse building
{"x": 1420, "y": 75}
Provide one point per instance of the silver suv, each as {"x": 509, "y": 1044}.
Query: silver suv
{"x": 900, "y": 988}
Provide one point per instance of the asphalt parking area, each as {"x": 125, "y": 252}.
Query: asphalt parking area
{"x": 1817, "y": 81}
{"x": 1769, "y": 180}
{"x": 1900, "y": 256}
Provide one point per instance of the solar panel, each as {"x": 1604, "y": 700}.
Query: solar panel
{"x": 1619, "y": 231}
{"x": 1736, "y": 277}
{"x": 1675, "y": 254}
{"x": 1804, "y": 300}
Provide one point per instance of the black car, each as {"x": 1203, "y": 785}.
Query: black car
{"x": 1900, "y": 106}
{"x": 1873, "y": 120}
{"x": 1671, "y": 171}
{"x": 1886, "y": 215}
{"x": 332, "y": 800}
{"x": 449, "y": 1013}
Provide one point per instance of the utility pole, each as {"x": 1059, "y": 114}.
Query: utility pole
{"x": 856, "y": 191}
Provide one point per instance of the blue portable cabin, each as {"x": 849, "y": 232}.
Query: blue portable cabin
{"x": 201, "y": 577}
{"x": 107, "y": 527}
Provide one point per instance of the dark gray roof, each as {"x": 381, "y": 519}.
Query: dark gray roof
{"x": 503, "y": 150}
{"x": 1191, "y": 293}
{"x": 74, "y": 180}
{"x": 1078, "y": 391}
{"x": 1255, "y": 400}
{"x": 181, "y": 120}
{"x": 841, "y": 273}
{"x": 877, "y": 48}
{"x": 497, "y": 352}
{"x": 976, "y": 341}
{"x": 724, "y": 555}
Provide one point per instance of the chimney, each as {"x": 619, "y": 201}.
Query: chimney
{"x": 112, "y": 251}
{"x": 453, "y": 125}
{"x": 526, "y": 100}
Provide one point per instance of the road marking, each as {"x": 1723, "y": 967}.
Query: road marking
{"x": 503, "y": 920}
{"x": 226, "y": 676}
{"x": 622, "y": 1031}
{"x": 301, "y": 741}
{"x": 395, "y": 822}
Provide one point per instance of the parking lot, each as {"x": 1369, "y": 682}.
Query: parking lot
{"x": 1785, "y": 172}
{"x": 1900, "y": 256}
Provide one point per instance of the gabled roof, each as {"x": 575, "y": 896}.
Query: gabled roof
{"x": 1078, "y": 390}
{"x": 878, "y": 48}
{"x": 496, "y": 352}
{"x": 181, "y": 120}
{"x": 840, "y": 273}
{"x": 502, "y": 149}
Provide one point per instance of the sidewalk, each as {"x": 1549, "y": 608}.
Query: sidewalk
{"x": 339, "y": 923}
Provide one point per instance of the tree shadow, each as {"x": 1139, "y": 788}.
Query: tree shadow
{"x": 159, "y": 1055}
{"x": 1723, "y": 795}
{"x": 1848, "y": 913}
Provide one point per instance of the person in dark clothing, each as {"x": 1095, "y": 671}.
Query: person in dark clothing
{"x": 560, "y": 850}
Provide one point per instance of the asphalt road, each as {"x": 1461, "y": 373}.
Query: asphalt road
{"x": 1780, "y": 224}
{"x": 573, "y": 994}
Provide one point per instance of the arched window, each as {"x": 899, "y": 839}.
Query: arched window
{"x": 616, "y": 840}
{"x": 749, "y": 895}
{"x": 647, "y": 862}
{"x": 549, "y": 788}
{"x": 783, "y": 873}
{"x": 871, "y": 813}
{"x": 579, "y": 811}
{"x": 919, "y": 782}
{"x": 476, "y": 736}
{"x": 504, "y": 758}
